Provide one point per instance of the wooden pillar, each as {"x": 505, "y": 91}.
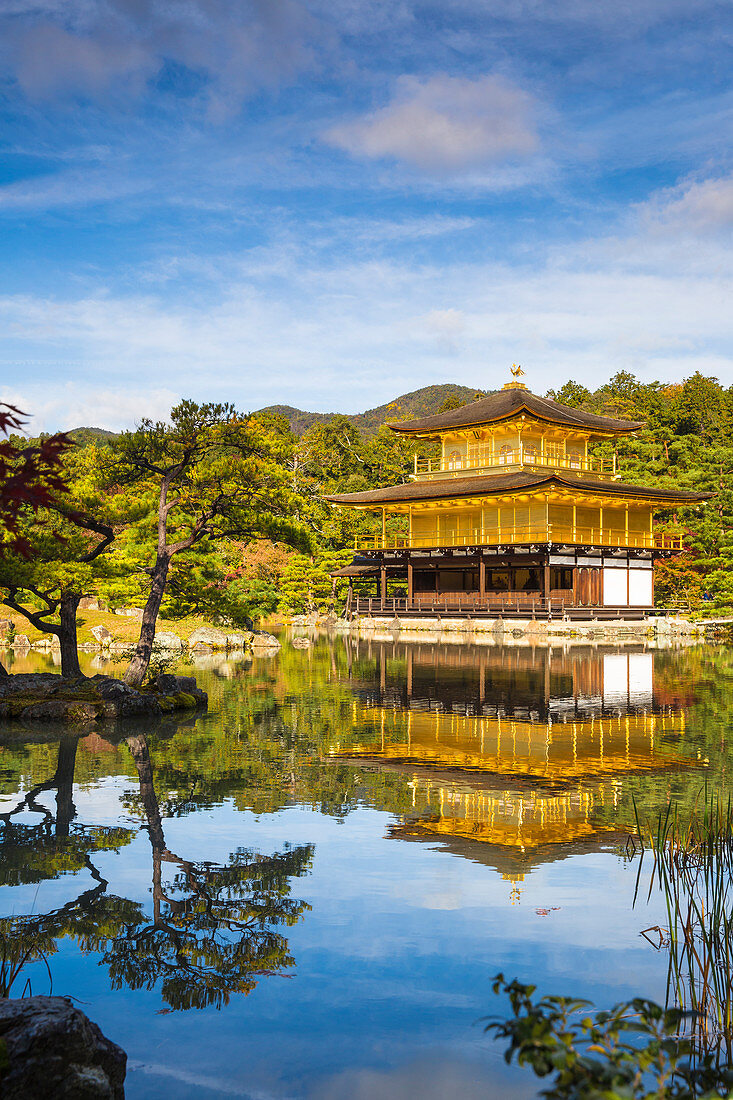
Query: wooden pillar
{"x": 547, "y": 582}
{"x": 600, "y": 516}
{"x": 575, "y": 528}
{"x": 409, "y": 582}
{"x": 382, "y": 583}
{"x": 482, "y": 578}
{"x": 384, "y": 528}
{"x": 626, "y": 524}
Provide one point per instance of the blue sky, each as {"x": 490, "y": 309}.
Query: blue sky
{"x": 326, "y": 205}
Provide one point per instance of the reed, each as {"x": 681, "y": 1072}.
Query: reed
{"x": 692, "y": 865}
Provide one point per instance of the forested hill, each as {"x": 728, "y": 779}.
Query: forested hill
{"x": 409, "y": 406}
{"x": 91, "y": 435}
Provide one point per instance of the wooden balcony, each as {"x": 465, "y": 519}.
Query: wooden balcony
{"x": 482, "y": 460}
{"x": 532, "y": 605}
{"x": 541, "y": 534}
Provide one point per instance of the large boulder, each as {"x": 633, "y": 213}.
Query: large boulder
{"x": 166, "y": 639}
{"x": 21, "y": 641}
{"x": 262, "y": 640}
{"x": 240, "y": 640}
{"x": 130, "y": 612}
{"x": 92, "y": 603}
{"x": 210, "y": 636}
{"x": 101, "y": 634}
{"x": 51, "y": 1049}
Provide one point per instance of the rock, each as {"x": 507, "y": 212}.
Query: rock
{"x": 166, "y": 639}
{"x": 92, "y": 603}
{"x": 130, "y": 612}
{"x": 102, "y": 635}
{"x": 239, "y": 641}
{"x": 122, "y": 701}
{"x": 300, "y": 643}
{"x": 20, "y": 641}
{"x": 62, "y": 710}
{"x": 167, "y": 683}
{"x": 263, "y": 640}
{"x": 210, "y": 636}
{"x": 54, "y": 1050}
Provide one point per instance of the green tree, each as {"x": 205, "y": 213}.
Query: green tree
{"x": 208, "y": 476}
{"x": 67, "y": 541}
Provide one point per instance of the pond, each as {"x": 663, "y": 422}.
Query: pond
{"x": 306, "y": 892}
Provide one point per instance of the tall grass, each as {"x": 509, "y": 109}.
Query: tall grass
{"x": 692, "y": 865}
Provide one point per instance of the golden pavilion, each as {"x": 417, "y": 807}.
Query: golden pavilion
{"x": 513, "y": 517}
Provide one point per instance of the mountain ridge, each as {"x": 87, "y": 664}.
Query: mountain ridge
{"x": 417, "y": 403}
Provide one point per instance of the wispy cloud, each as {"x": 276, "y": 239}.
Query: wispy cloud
{"x": 445, "y": 124}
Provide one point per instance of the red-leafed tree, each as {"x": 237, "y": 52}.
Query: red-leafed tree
{"x": 29, "y": 476}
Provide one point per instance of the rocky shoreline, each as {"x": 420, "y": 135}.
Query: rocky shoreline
{"x": 47, "y": 697}
{"x": 203, "y": 640}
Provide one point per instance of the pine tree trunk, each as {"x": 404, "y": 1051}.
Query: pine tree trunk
{"x": 138, "y": 667}
{"x": 67, "y": 635}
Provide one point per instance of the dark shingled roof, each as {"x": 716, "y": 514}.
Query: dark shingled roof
{"x": 492, "y": 484}
{"x": 506, "y": 404}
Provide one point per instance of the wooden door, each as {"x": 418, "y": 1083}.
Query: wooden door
{"x": 588, "y": 587}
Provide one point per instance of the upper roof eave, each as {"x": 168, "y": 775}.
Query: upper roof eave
{"x": 508, "y": 403}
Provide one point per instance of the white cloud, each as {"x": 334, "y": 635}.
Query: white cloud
{"x": 88, "y": 48}
{"x": 697, "y": 206}
{"x": 61, "y": 405}
{"x": 445, "y": 125}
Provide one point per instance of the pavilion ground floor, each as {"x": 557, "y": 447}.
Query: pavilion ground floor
{"x": 535, "y": 581}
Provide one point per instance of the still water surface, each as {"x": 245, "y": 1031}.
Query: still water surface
{"x": 305, "y": 893}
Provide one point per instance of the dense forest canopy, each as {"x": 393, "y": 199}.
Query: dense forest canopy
{"x": 686, "y": 442}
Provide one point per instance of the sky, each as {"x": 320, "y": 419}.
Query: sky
{"x": 328, "y": 204}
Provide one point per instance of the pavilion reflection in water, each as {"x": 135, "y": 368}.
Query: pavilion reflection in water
{"x": 515, "y": 756}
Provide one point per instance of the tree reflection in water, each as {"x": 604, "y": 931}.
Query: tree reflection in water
{"x": 213, "y": 930}
{"x": 213, "y": 927}
{"x": 40, "y": 851}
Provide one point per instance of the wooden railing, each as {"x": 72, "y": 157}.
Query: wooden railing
{"x": 539, "y": 533}
{"x": 461, "y": 603}
{"x": 512, "y": 459}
